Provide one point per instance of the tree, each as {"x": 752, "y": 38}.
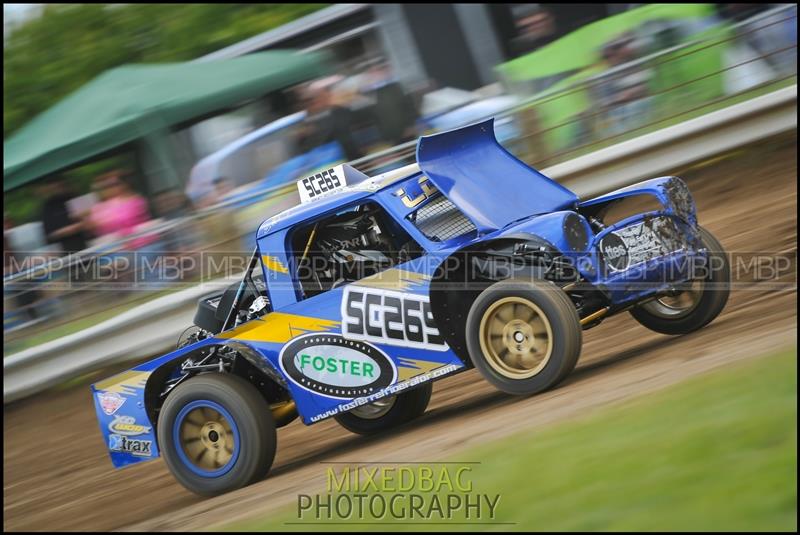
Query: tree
{"x": 69, "y": 44}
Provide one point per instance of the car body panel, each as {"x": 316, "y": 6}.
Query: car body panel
{"x": 320, "y": 317}
{"x": 463, "y": 163}
{"x": 120, "y": 400}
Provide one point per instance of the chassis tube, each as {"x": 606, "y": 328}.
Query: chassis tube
{"x": 235, "y": 306}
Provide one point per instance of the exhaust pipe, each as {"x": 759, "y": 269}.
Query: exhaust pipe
{"x": 284, "y": 412}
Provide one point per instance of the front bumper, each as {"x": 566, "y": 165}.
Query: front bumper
{"x": 643, "y": 256}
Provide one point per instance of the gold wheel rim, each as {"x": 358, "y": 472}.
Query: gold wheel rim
{"x": 680, "y": 304}
{"x": 375, "y": 410}
{"x": 207, "y": 438}
{"x": 516, "y": 338}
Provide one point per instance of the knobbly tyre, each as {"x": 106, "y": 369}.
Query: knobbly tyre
{"x": 370, "y": 289}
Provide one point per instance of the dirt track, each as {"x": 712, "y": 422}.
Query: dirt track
{"x": 57, "y": 475}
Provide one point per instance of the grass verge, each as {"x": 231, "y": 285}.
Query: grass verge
{"x": 718, "y": 452}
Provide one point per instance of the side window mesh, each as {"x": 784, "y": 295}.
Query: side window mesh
{"x": 441, "y": 220}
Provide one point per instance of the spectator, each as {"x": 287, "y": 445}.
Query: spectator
{"x": 61, "y": 228}
{"x": 120, "y": 210}
{"x": 59, "y": 225}
{"x": 219, "y": 226}
{"x": 395, "y": 112}
{"x": 351, "y": 93}
{"x": 176, "y": 240}
{"x": 223, "y": 186}
{"x": 173, "y": 204}
{"x": 327, "y": 121}
{"x": 536, "y": 27}
{"x": 624, "y": 92}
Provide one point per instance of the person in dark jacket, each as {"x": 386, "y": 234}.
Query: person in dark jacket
{"x": 536, "y": 27}
{"x": 59, "y": 225}
{"x": 326, "y": 121}
{"x": 395, "y": 112}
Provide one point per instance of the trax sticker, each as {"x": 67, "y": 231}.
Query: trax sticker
{"x": 110, "y": 402}
{"x": 126, "y": 425}
{"x": 389, "y": 317}
{"x": 328, "y": 364}
{"x": 141, "y": 448}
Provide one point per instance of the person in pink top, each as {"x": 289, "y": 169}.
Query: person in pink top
{"x": 120, "y": 212}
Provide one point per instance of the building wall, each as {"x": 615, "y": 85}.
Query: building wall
{"x": 398, "y": 44}
{"x": 442, "y": 45}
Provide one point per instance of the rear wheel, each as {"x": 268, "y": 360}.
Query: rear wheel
{"x": 216, "y": 434}
{"x": 523, "y": 336}
{"x": 695, "y": 303}
{"x": 387, "y": 412}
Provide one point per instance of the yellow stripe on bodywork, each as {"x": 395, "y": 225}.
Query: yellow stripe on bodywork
{"x": 279, "y": 327}
{"x": 408, "y": 368}
{"x": 124, "y": 383}
{"x": 394, "y": 279}
{"x": 274, "y": 264}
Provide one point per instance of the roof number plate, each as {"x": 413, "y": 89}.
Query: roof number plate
{"x": 320, "y": 183}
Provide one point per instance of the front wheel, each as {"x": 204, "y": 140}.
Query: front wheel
{"x": 387, "y": 412}
{"x": 216, "y": 434}
{"x": 695, "y": 303}
{"x": 523, "y": 336}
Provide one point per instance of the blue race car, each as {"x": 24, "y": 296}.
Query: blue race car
{"x": 358, "y": 298}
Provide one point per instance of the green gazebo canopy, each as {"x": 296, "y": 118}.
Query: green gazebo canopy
{"x": 134, "y": 101}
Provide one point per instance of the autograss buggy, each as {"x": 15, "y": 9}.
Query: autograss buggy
{"x": 355, "y": 300}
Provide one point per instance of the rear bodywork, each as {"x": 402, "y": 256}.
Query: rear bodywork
{"x": 491, "y": 186}
{"x": 388, "y": 331}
